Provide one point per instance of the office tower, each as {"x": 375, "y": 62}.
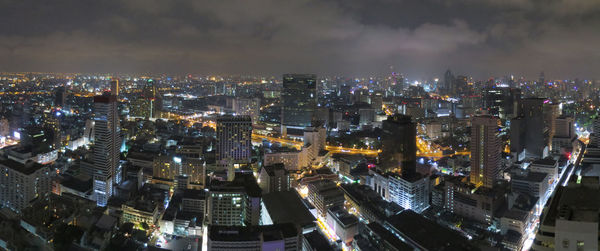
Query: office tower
{"x": 460, "y": 86}
{"x": 106, "y": 146}
{"x": 247, "y": 106}
{"x": 234, "y": 138}
{"x": 527, "y": 129}
{"x": 148, "y": 104}
{"x": 234, "y": 203}
{"x": 448, "y": 82}
{"x": 485, "y": 151}
{"x": 52, "y": 125}
{"x": 39, "y": 139}
{"x": 139, "y": 107}
{"x": 274, "y": 178}
{"x": 60, "y": 96}
{"x": 21, "y": 183}
{"x": 410, "y": 191}
{"x": 367, "y": 116}
{"x": 595, "y": 136}
{"x": 4, "y": 127}
{"x": 114, "y": 87}
{"x": 399, "y": 146}
{"x": 570, "y": 220}
{"x": 299, "y": 100}
{"x": 501, "y": 102}
{"x": 551, "y": 112}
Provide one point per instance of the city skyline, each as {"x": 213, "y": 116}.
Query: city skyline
{"x": 420, "y": 39}
{"x": 303, "y": 125}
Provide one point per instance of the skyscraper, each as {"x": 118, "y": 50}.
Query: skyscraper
{"x": 148, "y": 104}
{"x": 448, "y": 82}
{"x": 485, "y": 150}
{"x": 527, "y": 129}
{"x": 234, "y": 139}
{"x": 106, "y": 146}
{"x": 60, "y": 96}
{"x": 114, "y": 87}
{"x": 399, "y": 144}
{"x": 299, "y": 100}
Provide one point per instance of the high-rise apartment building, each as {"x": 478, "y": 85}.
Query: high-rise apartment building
{"x": 485, "y": 150}
{"x": 234, "y": 140}
{"x": 21, "y": 183}
{"x": 106, "y": 147}
{"x": 299, "y": 100}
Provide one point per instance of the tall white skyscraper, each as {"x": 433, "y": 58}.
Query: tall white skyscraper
{"x": 106, "y": 147}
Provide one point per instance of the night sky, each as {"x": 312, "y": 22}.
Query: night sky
{"x": 421, "y": 38}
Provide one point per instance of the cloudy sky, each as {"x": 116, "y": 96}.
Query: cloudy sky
{"x": 421, "y": 38}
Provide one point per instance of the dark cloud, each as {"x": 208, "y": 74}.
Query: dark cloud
{"x": 420, "y": 38}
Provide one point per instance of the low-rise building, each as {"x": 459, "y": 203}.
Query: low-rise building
{"x": 324, "y": 194}
{"x": 282, "y": 237}
{"x": 344, "y": 225}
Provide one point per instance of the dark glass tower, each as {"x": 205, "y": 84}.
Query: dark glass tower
{"x": 399, "y": 144}
{"x": 299, "y": 99}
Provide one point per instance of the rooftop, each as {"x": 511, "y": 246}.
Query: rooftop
{"x": 420, "y": 230}
{"x": 252, "y": 233}
{"x": 27, "y": 168}
{"x": 287, "y": 207}
{"x": 317, "y": 241}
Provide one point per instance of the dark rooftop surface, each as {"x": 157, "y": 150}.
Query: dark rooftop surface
{"x": 252, "y": 233}
{"x": 546, "y": 161}
{"x": 388, "y": 237}
{"x": 317, "y": 241}
{"x": 245, "y": 181}
{"x": 194, "y": 194}
{"x": 531, "y": 176}
{"x": 275, "y": 167}
{"x": 426, "y": 233}
{"x": 343, "y": 216}
{"x": 78, "y": 184}
{"x": 27, "y": 168}
{"x": 287, "y": 207}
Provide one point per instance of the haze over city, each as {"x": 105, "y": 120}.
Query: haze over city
{"x": 267, "y": 37}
